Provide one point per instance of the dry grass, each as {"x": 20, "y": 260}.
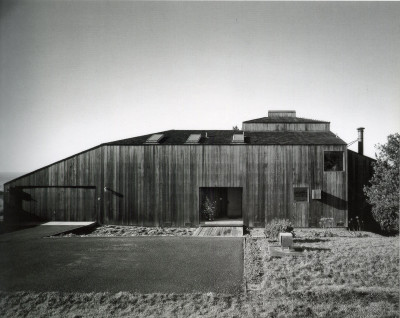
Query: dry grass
{"x": 340, "y": 276}
{"x": 123, "y": 304}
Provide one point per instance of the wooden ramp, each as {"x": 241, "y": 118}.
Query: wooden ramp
{"x": 219, "y": 231}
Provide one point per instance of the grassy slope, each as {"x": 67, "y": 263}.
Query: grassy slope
{"x": 339, "y": 277}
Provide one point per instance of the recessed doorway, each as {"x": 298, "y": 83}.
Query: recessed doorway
{"x": 228, "y": 202}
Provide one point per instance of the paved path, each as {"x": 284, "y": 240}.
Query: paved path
{"x": 137, "y": 264}
{"x": 40, "y": 231}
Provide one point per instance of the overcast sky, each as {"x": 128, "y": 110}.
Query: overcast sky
{"x": 75, "y": 74}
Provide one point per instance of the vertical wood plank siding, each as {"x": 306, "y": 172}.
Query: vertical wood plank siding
{"x": 286, "y": 126}
{"x": 158, "y": 185}
{"x": 65, "y": 190}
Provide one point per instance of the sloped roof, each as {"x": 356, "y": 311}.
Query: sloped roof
{"x": 277, "y": 120}
{"x": 224, "y": 137}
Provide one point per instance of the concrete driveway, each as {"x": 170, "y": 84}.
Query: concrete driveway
{"x": 137, "y": 264}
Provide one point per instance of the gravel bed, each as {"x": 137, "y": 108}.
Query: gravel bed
{"x": 119, "y": 230}
{"x": 257, "y": 232}
{"x": 253, "y": 260}
{"x": 330, "y": 232}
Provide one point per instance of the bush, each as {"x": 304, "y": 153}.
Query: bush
{"x": 326, "y": 222}
{"x": 277, "y": 226}
{"x": 209, "y": 209}
{"x": 383, "y": 191}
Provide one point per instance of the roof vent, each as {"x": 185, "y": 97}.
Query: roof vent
{"x": 193, "y": 139}
{"x": 154, "y": 139}
{"x": 238, "y": 138}
{"x": 282, "y": 113}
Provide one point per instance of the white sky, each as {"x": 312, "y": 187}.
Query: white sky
{"x": 74, "y": 74}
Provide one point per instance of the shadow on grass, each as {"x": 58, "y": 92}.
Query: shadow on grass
{"x": 304, "y": 248}
{"x": 347, "y": 295}
{"x": 313, "y": 240}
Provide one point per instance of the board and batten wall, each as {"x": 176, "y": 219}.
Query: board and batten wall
{"x": 286, "y": 126}
{"x": 158, "y": 185}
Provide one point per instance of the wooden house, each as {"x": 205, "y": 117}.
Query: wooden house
{"x": 280, "y": 166}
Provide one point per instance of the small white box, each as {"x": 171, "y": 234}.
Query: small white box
{"x": 286, "y": 240}
{"x": 316, "y": 194}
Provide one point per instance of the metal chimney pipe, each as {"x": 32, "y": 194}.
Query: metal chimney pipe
{"x": 361, "y": 140}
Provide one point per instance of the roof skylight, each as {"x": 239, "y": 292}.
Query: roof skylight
{"x": 154, "y": 139}
{"x": 238, "y": 138}
{"x": 193, "y": 139}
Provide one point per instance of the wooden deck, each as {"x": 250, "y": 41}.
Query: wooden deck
{"x": 223, "y": 223}
{"x": 219, "y": 231}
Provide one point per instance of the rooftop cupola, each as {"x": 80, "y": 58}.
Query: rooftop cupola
{"x": 281, "y": 113}
{"x": 284, "y": 120}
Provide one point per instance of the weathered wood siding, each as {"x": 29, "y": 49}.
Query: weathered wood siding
{"x": 360, "y": 173}
{"x": 66, "y": 190}
{"x": 285, "y": 126}
{"x": 164, "y": 181}
{"x": 158, "y": 185}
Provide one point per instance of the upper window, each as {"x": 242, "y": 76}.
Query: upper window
{"x": 333, "y": 161}
{"x": 300, "y": 194}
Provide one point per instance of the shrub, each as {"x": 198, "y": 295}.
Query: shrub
{"x": 383, "y": 191}
{"x": 209, "y": 209}
{"x": 326, "y": 222}
{"x": 325, "y": 233}
{"x": 277, "y": 226}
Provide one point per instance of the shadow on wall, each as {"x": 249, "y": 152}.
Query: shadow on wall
{"x": 362, "y": 210}
{"x": 333, "y": 201}
{"x": 118, "y": 194}
{"x": 21, "y": 195}
{"x": 1, "y": 206}
{"x": 15, "y": 213}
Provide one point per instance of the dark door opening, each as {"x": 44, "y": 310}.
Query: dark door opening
{"x": 228, "y": 202}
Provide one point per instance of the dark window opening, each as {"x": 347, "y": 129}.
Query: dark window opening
{"x": 300, "y": 194}
{"x": 333, "y": 161}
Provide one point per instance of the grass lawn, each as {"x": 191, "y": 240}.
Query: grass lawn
{"x": 340, "y": 276}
